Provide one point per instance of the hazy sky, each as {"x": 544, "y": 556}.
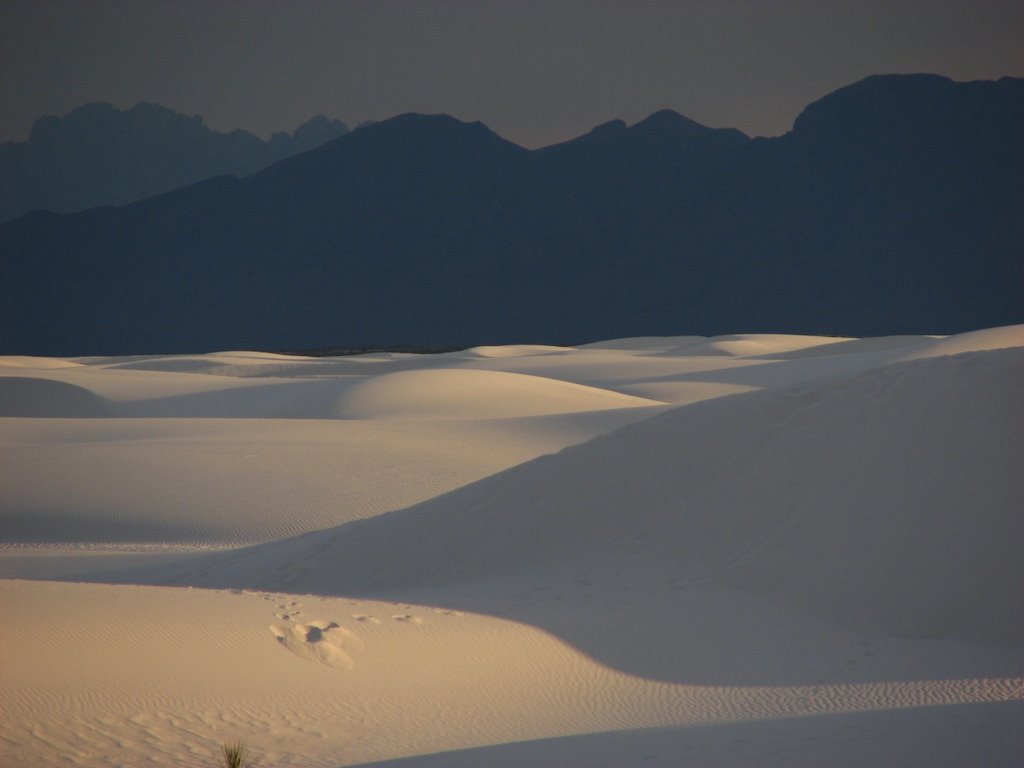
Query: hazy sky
{"x": 535, "y": 72}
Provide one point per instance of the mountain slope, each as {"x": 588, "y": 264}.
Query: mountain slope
{"x": 100, "y": 155}
{"x": 890, "y": 208}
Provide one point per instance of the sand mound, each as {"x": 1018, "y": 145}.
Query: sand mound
{"x": 162, "y": 677}
{"x": 192, "y": 364}
{"x": 217, "y": 482}
{"x": 757, "y": 344}
{"x": 974, "y": 341}
{"x": 26, "y": 396}
{"x": 891, "y": 501}
{"x": 837, "y": 347}
{"x": 243, "y": 399}
{"x": 254, "y": 357}
{"x": 646, "y": 343}
{"x": 473, "y": 394}
{"x": 513, "y": 350}
{"x": 326, "y": 642}
{"x": 25, "y": 361}
{"x": 217, "y": 363}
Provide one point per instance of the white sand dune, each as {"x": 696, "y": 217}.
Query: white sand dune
{"x": 224, "y": 482}
{"x": 975, "y": 341}
{"x": 149, "y": 675}
{"x": 519, "y": 555}
{"x": 462, "y": 394}
{"x": 914, "y": 469}
{"x": 25, "y": 361}
{"x": 838, "y": 741}
{"x": 754, "y": 344}
{"x": 647, "y": 343}
{"x": 514, "y": 350}
{"x": 33, "y": 397}
{"x": 905, "y": 344}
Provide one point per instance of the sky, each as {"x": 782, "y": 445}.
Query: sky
{"x": 535, "y": 71}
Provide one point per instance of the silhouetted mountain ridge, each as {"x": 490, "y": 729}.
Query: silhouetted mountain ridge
{"x": 100, "y": 155}
{"x": 888, "y": 106}
{"x": 892, "y": 207}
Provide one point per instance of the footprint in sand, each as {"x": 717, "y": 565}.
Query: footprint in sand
{"x": 447, "y": 612}
{"x": 365, "y": 619}
{"x": 322, "y": 641}
{"x": 288, "y": 611}
{"x": 407, "y": 618}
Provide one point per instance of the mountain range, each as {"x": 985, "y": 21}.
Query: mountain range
{"x": 892, "y": 206}
{"x": 100, "y": 155}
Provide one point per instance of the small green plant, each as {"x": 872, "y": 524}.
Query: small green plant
{"x": 235, "y": 755}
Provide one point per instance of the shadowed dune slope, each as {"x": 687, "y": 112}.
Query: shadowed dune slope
{"x": 890, "y": 500}
{"x": 27, "y": 396}
{"x": 780, "y": 743}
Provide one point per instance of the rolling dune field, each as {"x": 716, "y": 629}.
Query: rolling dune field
{"x": 749, "y": 550}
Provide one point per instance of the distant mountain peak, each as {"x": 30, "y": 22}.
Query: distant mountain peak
{"x": 667, "y": 124}
{"x": 98, "y": 154}
{"x": 97, "y": 116}
{"x": 609, "y": 128}
{"x": 431, "y": 128}
{"x": 316, "y": 131}
{"x": 880, "y": 102}
{"x": 432, "y": 121}
{"x": 669, "y": 121}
